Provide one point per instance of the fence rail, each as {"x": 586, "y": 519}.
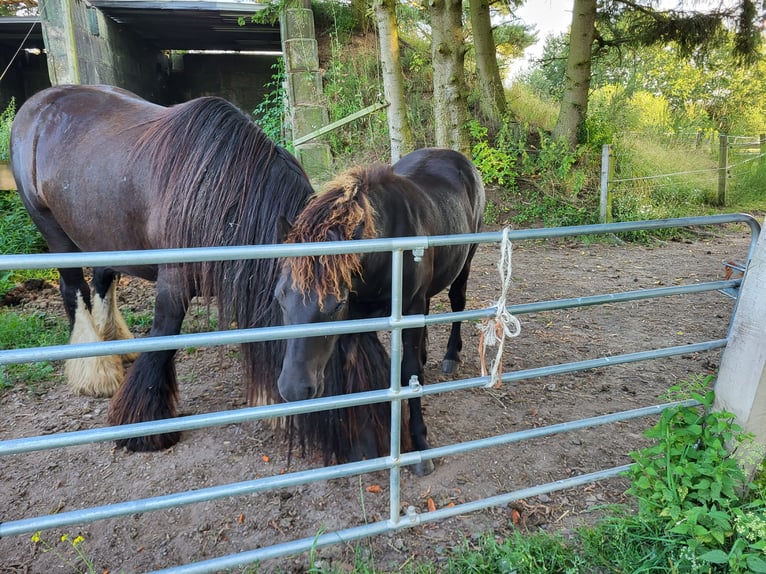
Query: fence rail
{"x": 395, "y": 394}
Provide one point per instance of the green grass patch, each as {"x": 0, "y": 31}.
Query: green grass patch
{"x": 18, "y": 235}
{"x": 23, "y": 330}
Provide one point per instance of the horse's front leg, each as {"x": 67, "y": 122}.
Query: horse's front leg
{"x": 413, "y": 343}
{"x": 98, "y": 376}
{"x": 150, "y": 391}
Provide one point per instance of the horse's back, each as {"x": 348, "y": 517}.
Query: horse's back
{"x": 451, "y": 181}
{"x": 69, "y": 154}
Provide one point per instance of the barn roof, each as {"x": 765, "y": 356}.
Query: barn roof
{"x": 168, "y": 25}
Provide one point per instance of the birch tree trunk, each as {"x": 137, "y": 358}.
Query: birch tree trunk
{"x": 574, "y": 103}
{"x": 450, "y": 93}
{"x": 492, "y": 94}
{"x": 399, "y": 131}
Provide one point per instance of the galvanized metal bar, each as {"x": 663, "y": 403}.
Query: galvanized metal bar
{"x": 538, "y": 432}
{"x": 47, "y": 442}
{"x": 237, "y": 336}
{"x": 586, "y": 301}
{"x": 197, "y": 254}
{"x": 410, "y": 520}
{"x": 27, "y": 525}
{"x": 396, "y": 323}
{"x": 560, "y": 369}
{"x": 395, "y": 385}
{"x": 16, "y": 527}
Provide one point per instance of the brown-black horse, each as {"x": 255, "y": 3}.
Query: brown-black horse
{"x": 100, "y": 169}
{"x": 428, "y": 192}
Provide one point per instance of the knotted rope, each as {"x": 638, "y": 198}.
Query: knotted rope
{"x": 494, "y": 330}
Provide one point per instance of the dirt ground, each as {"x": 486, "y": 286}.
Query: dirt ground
{"x": 78, "y": 477}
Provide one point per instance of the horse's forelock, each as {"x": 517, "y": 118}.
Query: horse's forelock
{"x": 339, "y": 212}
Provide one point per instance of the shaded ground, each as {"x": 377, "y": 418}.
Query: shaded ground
{"x": 78, "y": 477}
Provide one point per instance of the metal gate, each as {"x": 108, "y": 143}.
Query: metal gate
{"x": 395, "y": 323}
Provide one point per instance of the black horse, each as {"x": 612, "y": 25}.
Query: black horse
{"x": 428, "y": 192}
{"x": 100, "y": 169}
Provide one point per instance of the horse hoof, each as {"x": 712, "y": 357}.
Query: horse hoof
{"x": 150, "y": 443}
{"x": 423, "y": 468}
{"x": 450, "y": 366}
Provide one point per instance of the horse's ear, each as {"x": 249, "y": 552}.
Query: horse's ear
{"x": 283, "y": 228}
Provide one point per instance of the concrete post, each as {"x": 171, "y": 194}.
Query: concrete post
{"x": 304, "y": 91}
{"x": 60, "y": 41}
{"x": 741, "y": 384}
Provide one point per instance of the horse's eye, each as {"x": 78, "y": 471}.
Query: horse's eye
{"x": 340, "y": 305}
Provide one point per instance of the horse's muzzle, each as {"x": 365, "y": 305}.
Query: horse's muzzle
{"x": 299, "y": 388}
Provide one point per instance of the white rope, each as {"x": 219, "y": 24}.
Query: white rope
{"x": 494, "y": 330}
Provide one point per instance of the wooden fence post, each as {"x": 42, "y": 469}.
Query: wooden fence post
{"x": 607, "y": 173}
{"x": 723, "y": 161}
{"x": 741, "y": 384}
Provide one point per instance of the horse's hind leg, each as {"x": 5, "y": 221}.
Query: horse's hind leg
{"x": 150, "y": 391}
{"x": 95, "y": 376}
{"x": 457, "y": 298}
{"x": 110, "y": 324}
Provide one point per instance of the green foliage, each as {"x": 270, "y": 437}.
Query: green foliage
{"x": 21, "y": 330}
{"x": 18, "y": 235}
{"x": 6, "y": 121}
{"x": 496, "y": 165}
{"x": 554, "y": 190}
{"x": 520, "y": 554}
{"x": 536, "y": 110}
{"x": 690, "y": 487}
{"x": 270, "y": 113}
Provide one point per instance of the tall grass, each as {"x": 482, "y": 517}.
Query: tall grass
{"x": 653, "y": 181}
{"x": 18, "y": 235}
{"x": 747, "y": 189}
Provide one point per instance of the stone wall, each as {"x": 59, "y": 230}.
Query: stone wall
{"x": 84, "y": 47}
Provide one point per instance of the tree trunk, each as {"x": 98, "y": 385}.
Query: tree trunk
{"x": 574, "y": 104}
{"x": 399, "y": 131}
{"x": 450, "y": 94}
{"x": 492, "y": 94}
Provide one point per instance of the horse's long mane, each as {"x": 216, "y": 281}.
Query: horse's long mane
{"x": 342, "y": 211}
{"x": 359, "y": 363}
{"x": 224, "y": 182}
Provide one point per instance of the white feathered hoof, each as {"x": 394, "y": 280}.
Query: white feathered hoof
{"x": 450, "y": 366}
{"x": 93, "y": 376}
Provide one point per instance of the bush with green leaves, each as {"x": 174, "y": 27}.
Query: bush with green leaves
{"x": 555, "y": 190}
{"x": 6, "y": 121}
{"x": 690, "y": 487}
{"x": 270, "y": 113}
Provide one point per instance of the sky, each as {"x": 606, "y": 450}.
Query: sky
{"x": 555, "y": 16}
